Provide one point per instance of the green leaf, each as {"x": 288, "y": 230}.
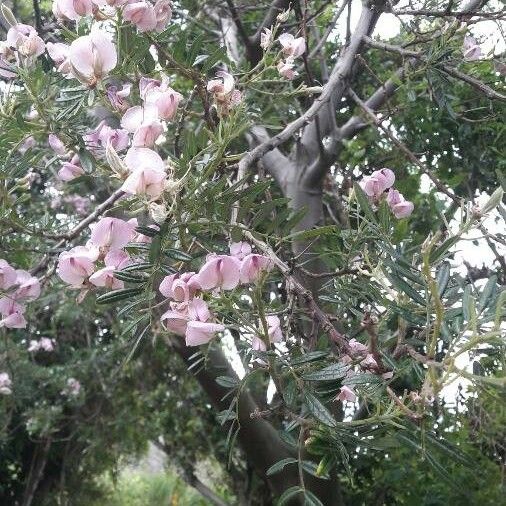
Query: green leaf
{"x": 313, "y": 469}
{"x": 442, "y": 278}
{"x": 406, "y": 288}
{"x": 227, "y": 381}
{"x": 311, "y": 500}
{"x": 280, "y": 465}
{"x": 364, "y": 203}
{"x": 332, "y": 372}
{"x": 320, "y": 412}
{"x": 178, "y": 255}
{"x": 117, "y": 295}
{"x": 312, "y": 356}
{"x": 487, "y": 293}
{"x": 288, "y": 494}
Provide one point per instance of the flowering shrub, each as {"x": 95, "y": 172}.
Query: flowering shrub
{"x": 143, "y": 192}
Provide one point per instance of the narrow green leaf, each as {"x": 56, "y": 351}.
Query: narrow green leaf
{"x": 280, "y": 465}
{"x": 117, "y": 295}
{"x": 364, "y": 203}
{"x": 487, "y": 293}
{"x": 227, "y": 381}
{"x": 288, "y": 494}
{"x": 320, "y": 412}
{"x": 329, "y": 373}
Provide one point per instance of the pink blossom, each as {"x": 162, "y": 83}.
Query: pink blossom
{"x": 292, "y": 47}
{"x": 258, "y": 344}
{"x": 163, "y": 14}
{"x": 5, "y": 384}
{"x": 8, "y": 275}
{"x": 146, "y": 84}
{"x": 70, "y": 170}
{"x": 265, "y": 38}
{"x": 471, "y": 49}
{"x": 164, "y": 98}
{"x": 44, "y": 344}
{"x": 59, "y": 53}
{"x": 117, "y": 97}
{"x": 369, "y": 362}
{"x": 111, "y": 233}
{"x": 286, "y": 69}
{"x": 28, "y": 286}
{"x": 346, "y": 394}
{"x": 27, "y": 144}
{"x": 76, "y": 265}
{"x": 177, "y": 317}
{"x": 57, "y": 145}
{"x": 105, "y": 277}
{"x": 118, "y": 259}
{"x": 379, "y": 181}
{"x": 253, "y": 266}
{"x": 72, "y": 10}
{"x": 24, "y": 38}
{"x": 92, "y": 57}
{"x": 220, "y": 271}
{"x": 224, "y": 92}
{"x": 148, "y": 172}
{"x": 180, "y": 287}
{"x": 142, "y": 15}
{"x": 117, "y": 138}
{"x": 240, "y": 249}
{"x": 401, "y": 207}
{"x": 198, "y": 333}
{"x": 13, "y": 321}
{"x": 144, "y": 123}
{"x": 274, "y": 329}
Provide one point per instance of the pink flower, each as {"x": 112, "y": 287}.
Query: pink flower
{"x": 117, "y": 97}
{"x": 144, "y": 123}
{"x": 8, "y": 275}
{"x": 401, "y": 207}
{"x": 164, "y": 98}
{"x": 346, "y": 394}
{"x": 27, "y": 144}
{"x": 76, "y": 265}
{"x": 258, "y": 344}
{"x": 471, "y": 49}
{"x": 220, "y": 271}
{"x": 13, "y": 321}
{"x": 105, "y": 277}
{"x": 163, "y": 14}
{"x": 240, "y": 249}
{"x": 146, "y": 84}
{"x": 57, "y": 145}
{"x": 72, "y": 10}
{"x": 286, "y": 70}
{"x": 24, "y": 39}
{"x": 224, "y": 92}
{"x": 292, "y": 47}
{"x": 92, "y": 57}
{"x": 180, "y": 287}
{"x": 5, "y": 384}
{"x": 379, "y": 181}
{"x": 148, "y": 172}
{"x": 59, "y": 53}
{"x": 28, "y": 286}
{"x": 112, "y": 233}
{"x": 70, "y": 170}
{"x": 45, "y": 344}
{"x": 142, "y": 15}
{"x": 274, "y": 329}
{"x": 177, "y": 317}
{"x": 118, "y": 259}
{"x": 198, "y": 333}
{"x": 118, "y": 138}
{"x": 253, "y": 266}
{"x": 265, "y": 38}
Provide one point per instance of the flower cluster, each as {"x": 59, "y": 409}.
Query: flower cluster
{"x": 16, "y": 287}
{"x": 375, "y": 186}
{"x": 189, "y": 314}
{"x": 291, "y": 48}
{"x": 21, "y": 47}
{"x": 145, "y": 16}
{"x": 5, "y": 384}
{"x": 43, "y": 344}
{"x": 224, "y": 93}
{"x": 77, "y": 267}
